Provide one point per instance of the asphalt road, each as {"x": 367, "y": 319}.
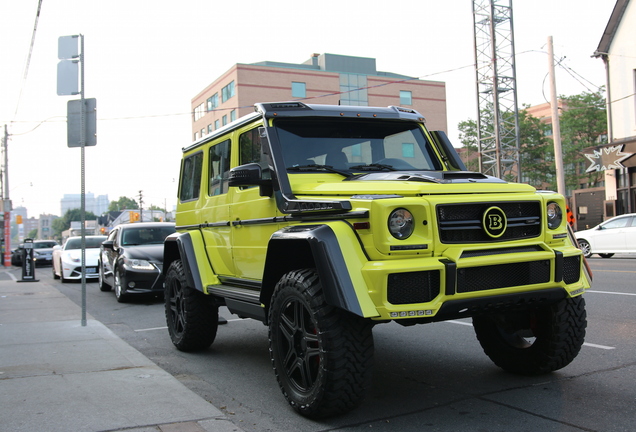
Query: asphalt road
{"x": 431, "y": 377}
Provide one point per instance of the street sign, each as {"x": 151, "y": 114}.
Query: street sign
{"x": 73, "y": 122}
{"x": 67, "y": 78}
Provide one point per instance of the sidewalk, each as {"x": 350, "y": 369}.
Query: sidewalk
{"x": 56, "y": 375}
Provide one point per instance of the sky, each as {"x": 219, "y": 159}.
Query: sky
{"x": 146, "y": 60}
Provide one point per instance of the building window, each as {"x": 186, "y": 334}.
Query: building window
{"x": 196, "y": 136}
{"x": 406, "y": 97}
{"x": 210, "y": 128}
{"x": 216, "y": 124}
{"x": 224, "y": 120}
{"x": 213, "y": 102}
{"x": 299, "y": 89}
{"x": 199, "y": 111}
{"x": 232, "y": 115}
{"x": 353, "y": 88}
{"x": 227, "y": 92}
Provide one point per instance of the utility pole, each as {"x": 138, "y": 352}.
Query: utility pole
{"x": 556, "y": 124}
{"x": 7, "y": 202}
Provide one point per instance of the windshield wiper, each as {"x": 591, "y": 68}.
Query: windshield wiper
{"x": 312, "y": 167}
{"x": 374, "y": 167}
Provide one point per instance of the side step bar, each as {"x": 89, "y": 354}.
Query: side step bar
{"x": 243, "y": 302}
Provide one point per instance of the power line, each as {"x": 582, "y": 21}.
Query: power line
{"x": 28, "y": 60}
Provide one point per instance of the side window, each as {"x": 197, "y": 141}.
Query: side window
{"x": 190, "y": 183}
{"x": 219, "y": 168}
{"x": 250, "y": 151}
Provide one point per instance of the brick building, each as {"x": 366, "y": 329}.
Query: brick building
{"x": 323, "y": 79}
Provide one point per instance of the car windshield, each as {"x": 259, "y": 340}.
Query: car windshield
{"x": 146, "y": 235}
{"x": 91, "y": 242}
{"x": 44, "y": 244}
{"x": 354, "y": 145}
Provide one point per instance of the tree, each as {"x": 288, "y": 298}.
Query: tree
{"x": 33, "y": 233}
{"x": 73, "y": 215}
{"x": 535, "y": 153}
{"x": 583, "y": 124}
{"x": 123, "y": 203}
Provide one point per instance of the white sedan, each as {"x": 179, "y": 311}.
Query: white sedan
{"x": 67, "y": 259}
{"x": 615, "y": 235}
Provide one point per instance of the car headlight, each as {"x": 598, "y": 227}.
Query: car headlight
{"x": 401, "y": 223}
{"x": 555, "y": 215}
{"x": 138, "y": 264}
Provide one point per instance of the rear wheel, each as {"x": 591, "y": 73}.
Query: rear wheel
{"x": 322, "y": 355}
{"x": 536, "y": 341}
{"x": 607, "y": 255}
{"x": 192, "y": 316}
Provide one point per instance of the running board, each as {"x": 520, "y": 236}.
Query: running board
{"x": 243, "y": 302}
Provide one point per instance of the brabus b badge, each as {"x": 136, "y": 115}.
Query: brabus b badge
{"x": 494, "y": 222}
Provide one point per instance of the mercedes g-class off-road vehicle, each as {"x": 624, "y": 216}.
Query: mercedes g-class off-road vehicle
{"x": 322, "y": 221}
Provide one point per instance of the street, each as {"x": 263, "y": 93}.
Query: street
{"x": 428, "y": 377}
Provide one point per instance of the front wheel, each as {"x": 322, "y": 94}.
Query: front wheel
{"x": 192, "y": 316}
{"x": 584, "y": 245}
{"x": 322, "y": 356}
{"x": 103, "y": 286}
{"x": 606, "y": 255}
{"x": 536, "y": 341}
{"x": 120, "y": 283}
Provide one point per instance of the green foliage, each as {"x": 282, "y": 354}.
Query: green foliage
{"x": 33, "y": 234}
{"x": 123, "y": 203}
{"x": 62, "y": 224}
{"x": 583, "y": 124}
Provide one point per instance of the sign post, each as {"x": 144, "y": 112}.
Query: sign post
{"x": 28, "y": 263}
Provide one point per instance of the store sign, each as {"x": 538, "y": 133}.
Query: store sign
{"x": 607, "y": 158}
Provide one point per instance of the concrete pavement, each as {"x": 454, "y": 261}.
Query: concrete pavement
{"x": 57, "y": 375}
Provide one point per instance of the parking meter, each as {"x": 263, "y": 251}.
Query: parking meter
{"x": 28, "y": 263}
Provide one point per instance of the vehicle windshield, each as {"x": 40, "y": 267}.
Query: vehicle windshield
{"x": 44, "y": 244}
{"x": 146, "y": 235}
{"x": 354, "y": 145}
{"x": 91, "y": 242}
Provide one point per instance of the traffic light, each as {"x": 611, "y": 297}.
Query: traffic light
{"x": 18, "y": 219}
{"x": 134, "y": 216}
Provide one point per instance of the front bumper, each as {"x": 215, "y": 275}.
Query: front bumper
{"x": 472, "y": 282}
{"x": 143, "y": 281}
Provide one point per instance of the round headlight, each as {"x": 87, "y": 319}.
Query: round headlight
{"x": 555, "y": 215}
{"x": 401, "y": 223}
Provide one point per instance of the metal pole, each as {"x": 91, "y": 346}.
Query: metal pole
{"x": 556, "y": 125}
{"x": 7, "y": 203}
{"x": 83, "y": 197}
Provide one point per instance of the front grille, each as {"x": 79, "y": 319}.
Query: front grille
{"x": 502, "y": 276}
{"x": 413, "y": 287}
{"x": 571, "y": 269}
{"x": 462, "y": 223}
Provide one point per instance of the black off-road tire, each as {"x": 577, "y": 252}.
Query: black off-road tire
{"x": 534, "y": 342}
{"x": 103, "y": 286}
{"x": 585, "y": 247}
{"x": 192, "y": 316}
{"x": 322, "y": 356}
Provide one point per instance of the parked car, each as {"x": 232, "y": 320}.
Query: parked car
{"x": 67, "y": 259}
{"x": 131, "y": 259}
{"x": 615, "y": 235}
{"x": 42, "y": 252}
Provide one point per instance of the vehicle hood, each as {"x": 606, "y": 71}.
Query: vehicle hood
{"x": 75, "y": 256}
{"x": 153, "y": 252}
{"x": 406, "y": 183}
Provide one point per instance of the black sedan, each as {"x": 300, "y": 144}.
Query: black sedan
{"x": 131, "y": 259}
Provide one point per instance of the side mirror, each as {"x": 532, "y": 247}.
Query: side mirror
{"x": 250, "y": 174}
{"x": 108, "y": 244}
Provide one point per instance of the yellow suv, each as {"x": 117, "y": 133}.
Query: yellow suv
{"x": 322, "y": 221}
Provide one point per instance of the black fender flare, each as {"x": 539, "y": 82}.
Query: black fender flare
{"x": 303, "y": 246}
{"x": 181, "y": 246}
